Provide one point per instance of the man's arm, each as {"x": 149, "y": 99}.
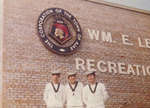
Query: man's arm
{"x": 105, "y": 93}
{"x": 45, "y": 95}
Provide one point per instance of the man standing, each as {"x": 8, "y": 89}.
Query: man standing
{"x": 73, "y": 91}
{"x": 54, "y": 92}
{"x": 94, "y": 94}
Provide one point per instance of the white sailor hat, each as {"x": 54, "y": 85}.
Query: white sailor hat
{"x": 72, "y": 73}
{"x": 90, "y": 72}
{"x": 55, "y": 72}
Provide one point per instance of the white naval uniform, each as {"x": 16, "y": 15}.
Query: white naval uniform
{"x": 74, "y": 99}
{"x": 97, "y": 99}
{"x": 54, "y": 99}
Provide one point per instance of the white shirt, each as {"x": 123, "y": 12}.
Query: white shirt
{"x": 97, "y": 99}
{"x": 52, "y": 98}
{"x": 74, "y": 98}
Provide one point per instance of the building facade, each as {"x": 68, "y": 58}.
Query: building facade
{"x": 115, "y": 42}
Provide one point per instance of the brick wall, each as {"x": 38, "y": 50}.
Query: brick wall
{"x": 1, "y": 6}
{"x": 27, "y": 64}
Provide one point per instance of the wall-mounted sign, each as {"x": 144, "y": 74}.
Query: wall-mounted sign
{"x": 59, "y": 31}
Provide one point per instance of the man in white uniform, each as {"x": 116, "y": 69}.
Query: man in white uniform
{"x": 73, "y": 91}
{"x": 94, "y": 93}
{"x": 54, "y": 92}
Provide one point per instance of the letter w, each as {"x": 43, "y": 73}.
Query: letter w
{"x": 93, "y": 34}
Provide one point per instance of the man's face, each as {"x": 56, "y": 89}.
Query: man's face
{"x": 56, "y": 78}
{"x": 91, "y": 78}
{"x": 72, "y": 79}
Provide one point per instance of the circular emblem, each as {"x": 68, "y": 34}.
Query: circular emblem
{"x": 59, "y": 31}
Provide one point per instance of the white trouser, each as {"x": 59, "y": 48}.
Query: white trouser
{"x": 74, "y": 106}
{"x": 54, "y": 107}
{"x": 95, "y": 106}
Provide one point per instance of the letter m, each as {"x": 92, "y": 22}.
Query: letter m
{"x": 106, "y": 36}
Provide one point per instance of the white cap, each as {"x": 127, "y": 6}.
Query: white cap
{"x": 55, "y": 72}
{"x": 72, "y": 73}
{"x": 90, "y": 72}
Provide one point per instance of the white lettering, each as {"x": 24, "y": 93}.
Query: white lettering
{"x": 147, "y": 43}
{"x": 106, "y": 36}
{"x": 80, "y": 64}
{"x": 125, "y": 40}
{"x": 58, "y": 10}
{"x": 143, "y": 70}
{"x": 130, "y": 70}
{"x": 75, "y": 45}
{"x": 137, "y": 69}
{"x": 93, "y": 34}
{"x": 77, "y": 25}
{"x": 148, "y": 70}
{"x": 99, "y": 66}
{"x": 112, "y": 67}
{"x": 121, "y": 67}
{"x": 79, "y": 36}
{"x": 140, "y": 43}
{"x": 90, "y": 64}
{"x": 49, "y": 44}
{"x": 67, "y": 14}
